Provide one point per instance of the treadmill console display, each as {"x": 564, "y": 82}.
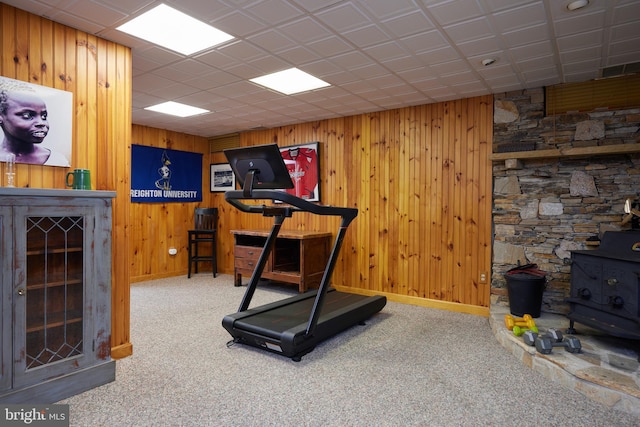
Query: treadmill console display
{"x": 266, "y": 163}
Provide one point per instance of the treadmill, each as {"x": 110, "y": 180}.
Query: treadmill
{"x": 291, "y": 327}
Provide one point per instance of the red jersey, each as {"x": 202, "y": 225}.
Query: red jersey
{"x": 303, "y": 169}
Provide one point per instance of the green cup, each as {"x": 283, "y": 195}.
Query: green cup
{"x": 81, "y": 179}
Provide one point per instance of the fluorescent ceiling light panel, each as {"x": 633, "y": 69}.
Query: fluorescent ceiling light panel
{"x": 177, "y": 109}
{"x": 290, "y": 81}
{"x": 174, "y": 30}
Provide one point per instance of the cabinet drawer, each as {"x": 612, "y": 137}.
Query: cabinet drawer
{"x": 246, "y": 263}
{"x": 250, "y": 252}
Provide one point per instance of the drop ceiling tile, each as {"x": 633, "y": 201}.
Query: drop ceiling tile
{"x": 503, "y": 81}
{"x": 274, "y": 12}
{"x": 580, "y": 24}
{"x": 242, "y": 70}
{"x": 128, "y": 7}
{"x": 239, "y": 24}
{"x": 452, "y": 11}
{"x": 403, "y": 63}
{"x": 304, "y": 30}
{"x": 370, "y": 71}
{"x": 74, "y": 21}
{"x": 314, "y": 5}
{"x": 207, "y": 11}
{"x": 517, "y": 17}
{"x": 524, "y": 36}
{"x": 579, "y": 41}
{"x": 143, "y": 100}
{"x": 339, "y": 78}
{"x": 148, "y": 82}
{"x": 184, "y": 69}
{"x": 406, "y": 25}
{"x": 417, "y": 75}
{"x": 499, "y": 69}
{"x": 272, "y": 41}
{"x": 625, "y": 31}
{"x": 98, "y": 13}
{"x": 480, "y": 46}
{"x": 438, "y": 56}
{"x": 580, "y": 55}
{"x": 579, "y": 67}
{"x": 541, "y": 63}
{"x": 242, "y": 51}
{"x": 172, "y": 91}
{"x": 386, "y": 81}
{"x": 331, "y": 46}
{"x": 350, "y": 60}
{"x": 385, "y": 51}
{"x": 321, "y": 68}
{"x": 366, "y": 36}
{"x": 469, "y": 30}
{"x": 384, "y": 9}
{"x": 498, "y": 5}
{"x": 141, "y": 64}
{"x": 298, "y": 55}
{"x": 626, "y": 12}
{"x": 543, "y": 74}
{"x": 626, "y": 47}
{"x": 343, "y": 17}
{"x": 423, "y": 42}
{"x": 36, "y": 7}
{"x": 158, "y": 54}
{"x": 269, "y": 64}
{"x": 458, "y": 78}
{"x": 531, "y": 50}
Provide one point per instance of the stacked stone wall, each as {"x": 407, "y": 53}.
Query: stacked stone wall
{"x": 545, "y": 208}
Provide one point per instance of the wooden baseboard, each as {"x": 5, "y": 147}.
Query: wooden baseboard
{"x": 122, "y": 351}
{"x": 422, "y": 302}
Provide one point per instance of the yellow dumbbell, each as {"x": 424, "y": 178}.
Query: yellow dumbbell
{"x": 526, "y": 321}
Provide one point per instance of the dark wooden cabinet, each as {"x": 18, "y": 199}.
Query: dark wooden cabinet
{"x": 56, "y": 293}
{"x": 299, "y": 257}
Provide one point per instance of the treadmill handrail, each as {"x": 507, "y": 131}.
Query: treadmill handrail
{"x": 235, "y": 198}
{"x": 298, "y": 204}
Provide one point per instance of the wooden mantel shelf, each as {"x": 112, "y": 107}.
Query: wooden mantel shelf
{"x": 568, "y": 152}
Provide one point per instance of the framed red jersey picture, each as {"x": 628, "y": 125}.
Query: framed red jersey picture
{"x": 302, "y": 161}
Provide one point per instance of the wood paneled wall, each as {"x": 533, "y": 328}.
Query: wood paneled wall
{"x": 156, "y": 227}
{"x": 98, "y": 73}
{"x": 421, "y": 179}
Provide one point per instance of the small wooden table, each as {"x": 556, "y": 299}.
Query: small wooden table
{"x": 298, "y": 257}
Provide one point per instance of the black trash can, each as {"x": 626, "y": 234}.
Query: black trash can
{"x": 525, "y": 286}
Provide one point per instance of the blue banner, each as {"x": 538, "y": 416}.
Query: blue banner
{"x": 160, "y": 175}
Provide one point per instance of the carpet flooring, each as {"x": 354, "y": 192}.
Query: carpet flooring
{"x": 408, "y": 366}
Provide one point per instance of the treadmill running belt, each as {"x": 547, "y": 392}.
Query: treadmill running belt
{"x": 283, "y": 318}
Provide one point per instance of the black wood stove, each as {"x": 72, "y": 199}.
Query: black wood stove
{"x": 605, "y": 285}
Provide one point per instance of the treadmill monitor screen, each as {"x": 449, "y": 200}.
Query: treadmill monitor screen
{"x": 270, "y": 172}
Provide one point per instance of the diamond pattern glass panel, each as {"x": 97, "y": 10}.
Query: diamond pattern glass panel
{"x": 55, "y": 289}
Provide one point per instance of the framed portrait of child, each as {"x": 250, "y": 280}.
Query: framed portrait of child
{"x": 36, "y": 123}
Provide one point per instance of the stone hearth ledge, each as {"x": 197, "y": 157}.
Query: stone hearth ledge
{"x": 585, "y": 373}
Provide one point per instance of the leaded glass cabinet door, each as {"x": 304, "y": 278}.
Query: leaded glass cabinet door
{"x": 51, "y": 291}
{"x": 6, "y": 279}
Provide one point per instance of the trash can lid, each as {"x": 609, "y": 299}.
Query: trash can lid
{"x": 528, "y": 270}
{"x": 524, "y": 276}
